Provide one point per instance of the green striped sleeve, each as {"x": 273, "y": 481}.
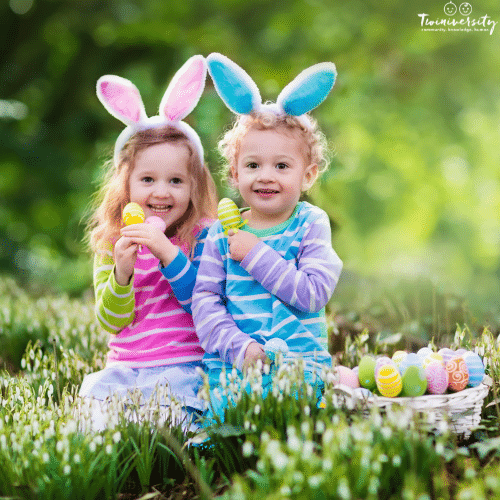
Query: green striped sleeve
{"x": 114, "y": 304}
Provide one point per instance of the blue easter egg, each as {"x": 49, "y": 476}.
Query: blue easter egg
{"x": 476, "y": 368}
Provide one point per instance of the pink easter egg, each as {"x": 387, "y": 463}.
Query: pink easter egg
{"x": 157, "y": 222}
{"x": 437, "y": 378}
{"x": 346, "y": 376}
{"x": 458, "y": 374}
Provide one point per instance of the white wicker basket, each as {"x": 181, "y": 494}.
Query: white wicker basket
{"x": 461, "y": 409}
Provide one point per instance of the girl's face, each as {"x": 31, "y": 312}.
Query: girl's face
{"x": 271, "y": 172}
{"x": 160, "y": 181}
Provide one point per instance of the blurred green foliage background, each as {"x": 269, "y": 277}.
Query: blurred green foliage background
{"x": 413, "y": 122}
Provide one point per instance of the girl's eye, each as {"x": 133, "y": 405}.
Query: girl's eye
{"x": 176, "y": 180}
{"x": 147, "y": 179}
{"x": 281, "y": 166}
{"x": 252, "y": 165}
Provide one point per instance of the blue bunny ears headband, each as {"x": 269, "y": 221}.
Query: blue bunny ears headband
{"x": 241, "y": 95}
{"x": 122, "y": 99}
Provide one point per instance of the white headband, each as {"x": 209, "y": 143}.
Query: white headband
{"x": 241, "y": 95}
{"x": 122, "y": 99}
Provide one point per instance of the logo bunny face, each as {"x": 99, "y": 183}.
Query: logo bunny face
{"x": 241, "y": 95}
{"x": 123, "y": 100}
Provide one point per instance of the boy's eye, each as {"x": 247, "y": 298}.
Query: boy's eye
{"x": 281, "y": 166}
{"x": 252, "y": 165}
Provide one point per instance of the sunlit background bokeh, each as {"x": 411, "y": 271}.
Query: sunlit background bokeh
{"x": 413, "y": 123}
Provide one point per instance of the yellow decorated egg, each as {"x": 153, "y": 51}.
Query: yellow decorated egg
{"x": 458, "y": 374}
{"x": 229, "y": 215}
{"x": 133, "y": 214}
{"x": 389, "y": 382}
{"x": 431, "y": 358}
{"x": 398, "y": 357}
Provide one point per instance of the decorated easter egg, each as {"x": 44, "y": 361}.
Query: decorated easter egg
{"x": 431, "y": 358}
{"x": 389, "y": 381}
{"x": 356, "y": 371}
{"x": 347, "y": 377}
{"x": 414, "y": 381}
{"x": 133, "y": 214}
{"x": 411, "y": 360}
{"x": 366, "y": 372}
{"x": 424, "y": 352}
{"x": 382, "y": 361}
{"x": 276, "y": 345}
{"x": 229, "y": 215}
{"x": 398, "y": 357}
{"x": 447, "y": 354}
{"x": 475, "y": 367}
{"x": 460, "y": 351}
{"x": 437, "y": 378}
{"x": 458, "y": 374}
{"x": 157, "y": 222}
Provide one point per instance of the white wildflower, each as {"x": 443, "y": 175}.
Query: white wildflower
{"x": 247, "y": 449}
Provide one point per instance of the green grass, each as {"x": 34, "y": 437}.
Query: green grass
{"x": 279, "y": 447}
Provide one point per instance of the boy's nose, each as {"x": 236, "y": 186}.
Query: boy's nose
{"x": 266, "y": 174}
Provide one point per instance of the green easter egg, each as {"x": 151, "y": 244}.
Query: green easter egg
{"x": 366, "y": 373}
{"x": 414, "y": 381}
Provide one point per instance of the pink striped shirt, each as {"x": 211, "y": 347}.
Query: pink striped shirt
{"x": 161, "y": 331}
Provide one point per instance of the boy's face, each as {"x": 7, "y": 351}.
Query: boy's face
{"x": 270, "y": 173}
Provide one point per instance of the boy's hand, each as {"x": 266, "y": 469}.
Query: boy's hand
{"x": 240, "y": 243}
{"x": 154, "y": 239}
{"x": 254, "y": 352}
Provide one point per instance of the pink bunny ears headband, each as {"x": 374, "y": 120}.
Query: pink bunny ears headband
{"x": 122, "y": 99}
{"x": 241, "y": 95}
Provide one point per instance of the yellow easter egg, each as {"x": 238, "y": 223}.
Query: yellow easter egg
{"x": 389, "y": 382}
{"x": 228, "y": 214}
{"x": 133, "y": 214}
{"x": 430, "y": 358}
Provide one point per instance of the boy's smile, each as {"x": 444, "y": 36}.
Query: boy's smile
{"x": 271, "y": 172}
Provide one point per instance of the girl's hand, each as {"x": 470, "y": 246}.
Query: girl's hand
{"x": 240, "y": 243}
{"x": 125, "y": 255}
{"x": 153, "y": 238}
{"x": 254, "y": 352}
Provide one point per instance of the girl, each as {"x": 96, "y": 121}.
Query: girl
{"x": 143, "y": 278}
{"x": 267, "y": 285}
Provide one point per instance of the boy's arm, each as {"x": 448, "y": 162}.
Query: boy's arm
{"x": 114, "y": 304}
{"x": 181, "y": 272}
{"x": 215, "y": 327}
{"x": 306, "y": 285}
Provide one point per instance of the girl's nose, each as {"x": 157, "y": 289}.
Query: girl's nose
{"x": 162, "y": 189}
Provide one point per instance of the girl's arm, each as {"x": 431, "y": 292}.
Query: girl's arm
{"x": 215, "y": 327}
{"x": 307, "y": 284}
{"x": 181, "y": 272}
{"x": 114, "y": 304}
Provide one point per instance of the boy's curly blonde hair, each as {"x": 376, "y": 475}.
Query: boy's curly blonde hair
{"x": 314, "y": 139}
